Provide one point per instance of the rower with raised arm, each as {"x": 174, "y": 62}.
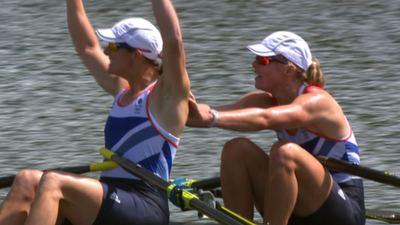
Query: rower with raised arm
{"x": 288, "y": 186}
{"x": 144, "y": 125}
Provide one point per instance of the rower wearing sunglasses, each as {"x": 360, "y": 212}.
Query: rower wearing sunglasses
{"x": 144, "y": 125}
{"x": 288, "y": 185}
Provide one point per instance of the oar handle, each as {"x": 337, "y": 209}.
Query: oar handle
{"x": 106, "y": 165}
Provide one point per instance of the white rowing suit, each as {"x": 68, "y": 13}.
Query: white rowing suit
{"x": 132, "y": 133}
{"x": 345, "y": 149}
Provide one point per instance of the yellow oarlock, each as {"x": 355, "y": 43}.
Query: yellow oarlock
{"x": 186, "y": 195}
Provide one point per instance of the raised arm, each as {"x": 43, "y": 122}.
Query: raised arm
{"x": 89, "y": 49}
{"x": 169, "y": 98}
{"x": 175, "y": 78}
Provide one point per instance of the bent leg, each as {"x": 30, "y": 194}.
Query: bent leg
{"x": 16, "y": 206}
{"x": 244, "y": 172}
{"x": 64, "y": 195}
{"x": 298, "y": 183}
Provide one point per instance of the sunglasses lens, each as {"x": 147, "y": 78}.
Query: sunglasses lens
{"x": 262, "y": 60}
{"x": 113, "y": 47}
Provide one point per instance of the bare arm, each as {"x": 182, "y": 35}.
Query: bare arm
{"x": 199, "y": 114}
{"x": 316, "y": 110}
{"x": 169, "y": 98}
{"x": 175, "y": 80}
{"x": 88, "y": 48}
{"x": 304, "y": 111}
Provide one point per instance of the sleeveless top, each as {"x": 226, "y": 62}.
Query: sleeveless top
{"x": 132, "y": 133}
{"x": 345, "y": 149}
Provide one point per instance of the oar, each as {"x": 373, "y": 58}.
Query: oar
{"x": 387, "y": 216}
{"x": 189, "y": 198}
{"x": 8, "y": 180}
{"x": 356, "y": 169}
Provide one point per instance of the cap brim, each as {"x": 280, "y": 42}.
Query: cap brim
{"x": 261, "y": 50}
{"x": 107, "y": 35}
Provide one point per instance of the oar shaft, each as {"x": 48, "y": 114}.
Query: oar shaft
{"x": 355, "y": 169}
{"x": 387, "y": 216}
{"x": 207, "y": 184}
{"x": 6, "y": 181}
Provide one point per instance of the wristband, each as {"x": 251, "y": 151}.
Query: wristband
{"x": 215, "y": 115}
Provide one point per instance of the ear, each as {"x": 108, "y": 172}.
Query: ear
{"x": 291, "y": 69}
{"x": 137, "y": 53}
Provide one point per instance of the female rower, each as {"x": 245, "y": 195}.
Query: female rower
{"x": 288, "y": 186}
{"x": 144, "y": 125}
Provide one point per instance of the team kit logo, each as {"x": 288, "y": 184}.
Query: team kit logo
{"x": 138, "y": 105}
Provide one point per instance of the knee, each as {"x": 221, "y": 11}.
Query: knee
{"x": 50, "y": 183}
{"x": 235, "y": 148}
{"x": 282, "y": 154}
{"x": 28, "y": 178}
{"x": 25, "y": 184}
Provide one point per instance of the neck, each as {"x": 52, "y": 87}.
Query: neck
{"x": 138, "y": 82}
{"x": 288, "y": 94}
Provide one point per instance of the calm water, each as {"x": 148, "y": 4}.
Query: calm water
{"x": 53, "y": 113}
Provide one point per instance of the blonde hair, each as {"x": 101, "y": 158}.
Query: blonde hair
{"x": 313, "y": 75}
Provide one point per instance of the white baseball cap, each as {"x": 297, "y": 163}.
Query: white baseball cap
{"x": 137, "y": 33}
{"x": 285, "y": 43}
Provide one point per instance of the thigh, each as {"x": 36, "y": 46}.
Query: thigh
{"x": 244, "y": 168}
{"x": 313, "y": 181}
{"x": 81, "y": 196}
{"x": 121, "y": 206}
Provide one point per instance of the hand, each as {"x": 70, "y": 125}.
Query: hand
{"x": 184, "y": 185}
{"x": 199, "y": 114}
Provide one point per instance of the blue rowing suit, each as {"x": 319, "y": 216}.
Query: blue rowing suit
{"x": 345, "y": 149}
{"x": 345, "y": 204}
{"x": 132, "y": 132}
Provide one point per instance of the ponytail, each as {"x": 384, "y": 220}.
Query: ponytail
{"x": 313, "y": 75}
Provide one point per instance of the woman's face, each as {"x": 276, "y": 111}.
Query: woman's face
{"x": 120, "y": 61}
{"x": 270, "y": 73}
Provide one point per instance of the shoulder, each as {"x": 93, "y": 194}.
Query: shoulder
{"x": 314, "y": 91}
{"x": 325, "y": 114}
{"x": 315, "y": 98}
